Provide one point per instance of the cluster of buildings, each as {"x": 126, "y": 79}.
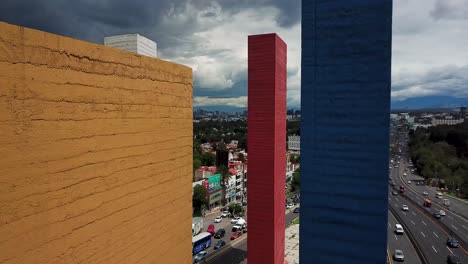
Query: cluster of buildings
{"x": 426, "y": 119}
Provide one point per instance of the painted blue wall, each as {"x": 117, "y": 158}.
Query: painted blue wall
{"x": 346, "y": 72}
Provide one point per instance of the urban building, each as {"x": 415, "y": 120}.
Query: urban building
{"x": 215, "y": 194}
{"x": 135, "y": 43}
{"x": 85, "y": 176}
{"x": 204, "y": 172}
{"x": 346, "y": 77}
{"x": 463, "y": 113}
{"x": 294, "y": 143}
{"x": 448, "y": 122}
{"x": 267, "y": 148}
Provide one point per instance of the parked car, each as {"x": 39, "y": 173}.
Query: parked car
{"x": 296, "y": 210}
{"x": 442, "y": 213}
{"x": 225, "y": 214}
{"x": 452, "y": 242}
{"x": 235, "y": 219}
{"x": 211, "y": 229}
{"x": 236, "y": 235}
{"x": 236, "y": 228}
{"x": 200, "y": 256}
{"x": 453, "y": 259}
{"x": 219, "y": 244}
{"x": 218, "y": 219}
{"x": 404, "y": 207}
{"x": 398, "y": 255}
{"x": 220, "y": 233}
{"x": 289, "y": 206}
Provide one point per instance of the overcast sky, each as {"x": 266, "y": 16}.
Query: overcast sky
{"x": 430, "y": 39}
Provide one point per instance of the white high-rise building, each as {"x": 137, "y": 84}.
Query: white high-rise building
{"x": 133, "y": 43}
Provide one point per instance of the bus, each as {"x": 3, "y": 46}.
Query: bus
{"x": 427, "y": 203}
{"x": 201, "y": 242}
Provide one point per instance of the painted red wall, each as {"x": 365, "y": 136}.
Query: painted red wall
{"x": 267, "y": 148}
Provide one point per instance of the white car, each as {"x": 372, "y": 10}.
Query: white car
{"x": 218, "y": 219}
{"x": 404, "y": 207}
{"x": 289, "y": 206}
{"x": 235, "y": 219}
{"x": 399, "y": 229}
{"x": 409, "y": 182}
{"x": 425, "y": 194}
{"x": 398, "y": 255}
{"x": 225, "y": 214}
{"x": 442, "y": 213}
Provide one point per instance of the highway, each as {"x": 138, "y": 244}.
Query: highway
{"x": 401, "y": 242}
{"x": 429, "y": 235}
{"x": 456, "y": 223}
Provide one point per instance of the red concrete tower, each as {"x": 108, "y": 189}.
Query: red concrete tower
{"x": 266, "y": 149}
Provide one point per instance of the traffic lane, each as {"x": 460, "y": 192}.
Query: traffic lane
{"x": 401, "y": 242}
{"x": 240, "y": 249}
{"x": 420, "y": 233}
{"x": 430, "y": 236}
{"x": 457, "y": 224}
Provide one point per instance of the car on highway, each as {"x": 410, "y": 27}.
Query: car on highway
{"x": 425, "y": 193}
{"x": 394, "y": 193}
{"x": 439, "y": 195}
{"x": 453, "y": 259}
{"x": 220, "y": 233}
{"x": 219, "y": 244}
{"x": 235, "y": 219}
{"x": 211, "y": 229}
{"x": 437, "y": 215}
{"x": 442, "y": 213}
{"x": 398, "y": 255}
{"x": 404, "y": 174}
{"x": 218, "y": 219}
{"x": 409, "y": 182}
{"x": 404, "y": 207}
{"x": 200, "y": 256}
{"x": 452, "y": 242}
{"x": 399, "y": 229}
{"x": 236, "y": 235}
{"x": 296, "y": 210}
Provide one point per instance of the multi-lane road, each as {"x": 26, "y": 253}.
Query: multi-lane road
{"x": 401, "y": 242}
{"x": 237, "y": 250}
{"x": 427, "y": 230}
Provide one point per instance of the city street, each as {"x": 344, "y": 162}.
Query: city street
{"x": 238, "y": 252}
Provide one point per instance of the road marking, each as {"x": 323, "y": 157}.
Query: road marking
{"x": 413, "y": 213}
{"x": 397, "y": 199}
{"x": 450, "y": 250}
{"x": 454, "y": 227}
{"x": 434, "y": 249}
{"x": 389, "y": 199}
{"x": 396, "y": 237}
{"x": 404, "y": 213}
{"x": 389, "y": 225}
{"x": 465, "y": 227}
{"x": 423, "y": 223}
{"x": 396, "y": 205}
{"x": 449, "y": 217}
{"x": 413, "y": 222}
{"x": 423, "y": 234}
{"x": 435, "y": 234}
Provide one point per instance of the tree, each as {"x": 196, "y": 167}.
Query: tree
{"x": 236, "y": 209}
{"x": 241, "y": 157}
{"x": 196, "y": 164}
{"x": 199, "y": 199}
{"x": 296, "y": 181}
{"x": 208, "y": 159}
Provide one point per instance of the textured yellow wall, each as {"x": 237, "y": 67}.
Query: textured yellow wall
{"x": 96, "y": 153}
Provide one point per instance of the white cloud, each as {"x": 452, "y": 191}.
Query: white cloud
{"x": 208, "y": 101}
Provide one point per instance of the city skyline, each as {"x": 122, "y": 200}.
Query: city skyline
{"x": 428, "y": 52}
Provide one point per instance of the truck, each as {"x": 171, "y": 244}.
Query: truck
{"x": 197, "y": 225}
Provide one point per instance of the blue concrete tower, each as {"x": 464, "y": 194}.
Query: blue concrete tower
{"x": 346, "y": 74}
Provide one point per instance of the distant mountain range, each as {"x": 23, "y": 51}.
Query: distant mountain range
{"x": 429, "y": 102}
